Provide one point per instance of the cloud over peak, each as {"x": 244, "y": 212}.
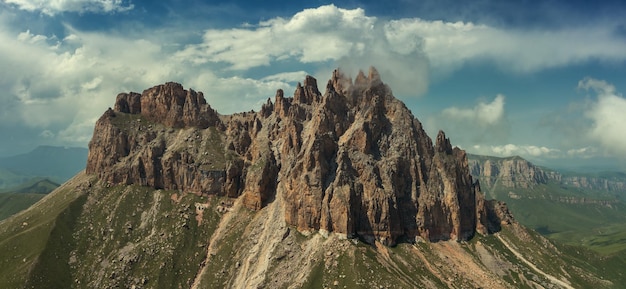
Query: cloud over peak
{"x": 75, "y": 71}
{"x": 324, "y": 37}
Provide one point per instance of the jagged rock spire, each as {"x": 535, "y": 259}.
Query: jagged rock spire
{"x": 352, "y": 161}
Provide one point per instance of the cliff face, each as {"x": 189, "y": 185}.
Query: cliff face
{"x": 617, "y": 184}
{"x": 352, "y": 161}
{"x": 512, "y": 172}
{"x": 516, "y": 172}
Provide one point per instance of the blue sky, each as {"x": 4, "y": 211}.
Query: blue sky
{"x": 540, "y": 79}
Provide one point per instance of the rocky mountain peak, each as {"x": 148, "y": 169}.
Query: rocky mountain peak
{"x": 443, "y": 144}
{"x": 353, "y": 161}
{"x": 169, "y": 104}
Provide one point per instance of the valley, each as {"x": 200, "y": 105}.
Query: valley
{"x": 577, "y": 209}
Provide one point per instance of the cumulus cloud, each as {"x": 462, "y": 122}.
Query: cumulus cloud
{"x": 449, "y": 45}
{"x": 326, "y": 36}
{"x": 484, "y": 123}
{"x": 482, "y": 114}
{"x": 329, "y": 33}
{"x": 405, "y": 51}
{"x": 521, "y": 150}
{"x": 586, "y": 152}
{"x": 607, "y": 114}
{"x": 312, "y": 35}
{"x": 52, "y": 7}
{"x": 62, "y": 86}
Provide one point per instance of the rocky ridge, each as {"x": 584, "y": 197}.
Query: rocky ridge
{"x": 596, "y": 183}
{"x": 517, "y": 173}
{"x": 352, "y": 161}
{"x": 514, "y": 172}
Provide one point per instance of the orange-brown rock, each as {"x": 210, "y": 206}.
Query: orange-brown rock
{"x": 352, "y": 160}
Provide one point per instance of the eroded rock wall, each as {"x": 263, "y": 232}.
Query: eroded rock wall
{"x": 352, "y": 161}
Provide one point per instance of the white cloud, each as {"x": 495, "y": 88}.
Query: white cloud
{"x": 599, "y": 86}
{"x": 449, "y": 45}
{"x": 64, "y": 86}
{"x": 52, "y": 7}
{"x": 586, "y": 152}
{"x": 313, "y": 35}
{"x": 46, "y": 134}
{"x": 329, "y": 33}
{"x": 407, "y": 46}
{"x": 482, "y": 114}
{"x": 517, "y": 150}
{"x": 405, "y": 50}
{"x": 326, "y": 36}
{"x": 295, "y": 76}
{"x": 484, "y": 123}
{"x": 608, "y": 117}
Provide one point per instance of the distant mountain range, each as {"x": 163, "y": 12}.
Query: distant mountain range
{"x": 26, "y": 178}
{"x": 575, "y": 208}
{"x": 55, "y": 163}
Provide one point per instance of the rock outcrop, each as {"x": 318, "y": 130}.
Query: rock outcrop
{"x": 512, "y": 172}
{"x": 609, "y": 184}
{"x": 353, "y": 161}
{"x": 516, "y": 172}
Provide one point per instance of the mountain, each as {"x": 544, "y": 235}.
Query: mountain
{"x": 353, "y": 161}
{"x": 516, "y": 172}
{"x": 25, "y": 178}
{"x": 33, "y": 186}
{"x": 335, "y": 189}
{"x": 10, "y": 178}
{"x": 16, "y": 199}
{"x": 575, "y": 208}
{"x": 56, "y": 163}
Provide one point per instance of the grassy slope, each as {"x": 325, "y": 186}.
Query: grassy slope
{"x": 37, "y": 185}
{"x": 125, "y": 236}
{"x": 138, "y": 236}
{"x": 19, "y": 198}
{"x": 13, "y": 203}
{"x": 23, "y": 237}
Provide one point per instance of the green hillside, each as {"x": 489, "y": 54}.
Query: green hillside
{"x": 16, "y": 199}
{"x": 24, "y": 236}
{"x": 12, "y": 203}
{"x": 90, "y": 235}
{"x": 36, "y": 185}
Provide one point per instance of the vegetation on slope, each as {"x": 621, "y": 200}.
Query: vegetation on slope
{"x": 12, "y": 203}
{"x": 37, "y": 185}
{"x": 24, "y": 236}
{"x": 570, "y": 215}
{"x": 19, "y": 198}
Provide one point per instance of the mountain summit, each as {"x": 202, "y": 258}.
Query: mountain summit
{"x": 352, "y": 161}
